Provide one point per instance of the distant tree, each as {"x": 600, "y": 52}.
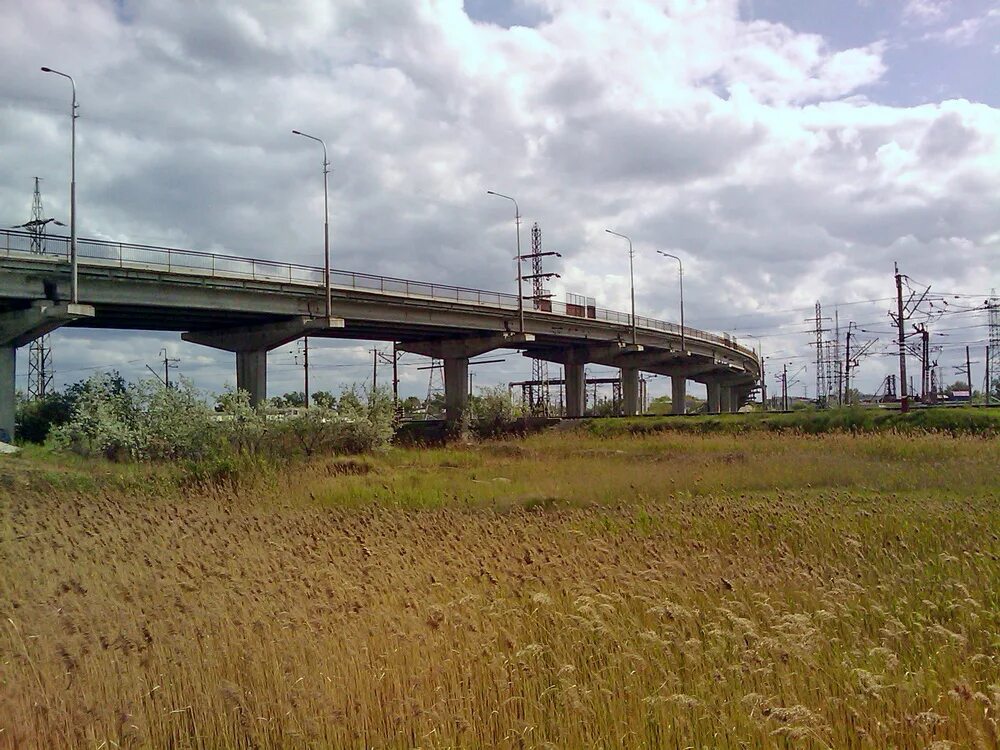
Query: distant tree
{"x": 958, "y": 385}
{"x": 294, "y": 399}
{"x": 412, "y": 406}
{"x": 349, "y": 403}
{"x": 492, "y": 411}
{"x": 324, "y": 400}
{"x": 660, "y": 405}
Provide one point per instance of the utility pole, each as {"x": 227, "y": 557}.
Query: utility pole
{"x": 846, "y": 398}
{"x": 394, "y": 361}
{"x": 763, "y": 385}
{"x": 900, "y": 322}
{"x": 395, "y": 378}
{"x": 784, "y": 387}
{"x": 986, "y": 390}
{"x": 968, "y": 373}
{"x": 925, "y": 336}
{"x": 168, "y": 365}
{"x": 305, "y": 368}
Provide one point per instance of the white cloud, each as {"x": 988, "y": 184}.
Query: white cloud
{"x": 965, "y": 32}
{"x": 926, "y": 11}
{"x": 753, "y": 150}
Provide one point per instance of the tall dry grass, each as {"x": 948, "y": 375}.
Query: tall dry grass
{"x": 566, "y": 591}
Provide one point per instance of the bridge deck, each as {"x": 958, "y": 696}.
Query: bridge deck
{"x": 101, "y": 259}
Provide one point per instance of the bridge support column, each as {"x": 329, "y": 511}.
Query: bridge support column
{"x": 252, "y": 343}
{"x": 725, "y": 399}
{"x": 714, "y": 397}
{"x": 732, "y": 400}
{"x": 456, "y": 353}
{"x": 630, "y": 391}
{"x": 22, "y": 327}
{"x": 576, "y": 390}
{"x": 251, "y": 374}
{"x": 8, "y": 358}
{"x": 678, "y": 394}
{"x": 456, "y": 389}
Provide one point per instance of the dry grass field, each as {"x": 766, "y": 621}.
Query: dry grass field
{"x": 660, "y": 591}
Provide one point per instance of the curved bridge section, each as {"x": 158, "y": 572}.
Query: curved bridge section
{"x": 249, "y": 306}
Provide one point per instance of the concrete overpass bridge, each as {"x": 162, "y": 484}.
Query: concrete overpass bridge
{"x": 250, "y": 306}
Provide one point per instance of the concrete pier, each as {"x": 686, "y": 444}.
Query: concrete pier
{"x": 251, "y": 374}
{"x": 725, "y": 399}
{"x": 252, "y": 343}
{"x": 576, "y": 396}
{"x": 8, "y": 360}
{"x": 630, "y": 391}
{"x": 456, "y": 388}
{"x": 21, "y": 327}
{"x": 714, "y": 397}
{"x": 678, "y": 394}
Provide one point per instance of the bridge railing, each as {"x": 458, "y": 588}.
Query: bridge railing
{"x": 195, "y": 262}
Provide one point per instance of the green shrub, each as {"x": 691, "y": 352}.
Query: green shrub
{"x": 492, "y": 412}
{"x": 34, "y": 419}
{"x": 955, "y": 421}
{"x": 141, "y": 421}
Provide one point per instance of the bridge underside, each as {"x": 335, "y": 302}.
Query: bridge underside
{"x": 251, "y": 317}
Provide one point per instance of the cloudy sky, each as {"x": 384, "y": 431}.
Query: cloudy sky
{"x": 789, "y": 151}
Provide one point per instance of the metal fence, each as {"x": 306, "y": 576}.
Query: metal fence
{"x": 104, "y": 253}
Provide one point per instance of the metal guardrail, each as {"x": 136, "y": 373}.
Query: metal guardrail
{"x": 174, "y": 260}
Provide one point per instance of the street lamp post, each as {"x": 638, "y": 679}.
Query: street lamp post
{"x": 326, "y": 217}
{"x": 74, "y": 296}
{"x": 517, "y": 224}
{"x": 631, "y": 273}
{"x": 680, "y": 277}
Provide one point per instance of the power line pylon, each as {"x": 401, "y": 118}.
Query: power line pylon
{"x": 539, "y": 402}
{"x": 992, "y": 389}
{"x": 825, "y": 379}
{"x": 435, "y": 385}
{"x": 39, "y": 351}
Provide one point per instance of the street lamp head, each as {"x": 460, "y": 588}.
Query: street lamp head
{"x": 46, "y": 70}
{"x": 296, "y": 132}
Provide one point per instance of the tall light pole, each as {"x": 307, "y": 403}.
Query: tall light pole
{"x": 326, "y": 217}
{"x": 680, "y": 277}
{"x": 517, "y": 224}
{"x": 631, "y": 273}
{"x": 74, "y": 296}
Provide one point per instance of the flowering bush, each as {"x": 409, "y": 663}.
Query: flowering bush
{"x": 138, "y": 421}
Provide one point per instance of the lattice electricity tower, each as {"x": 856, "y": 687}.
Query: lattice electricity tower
{"x": 993, "y": 350}
{"x": 39, "y": 351}
{"x": 539, "y": 401}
